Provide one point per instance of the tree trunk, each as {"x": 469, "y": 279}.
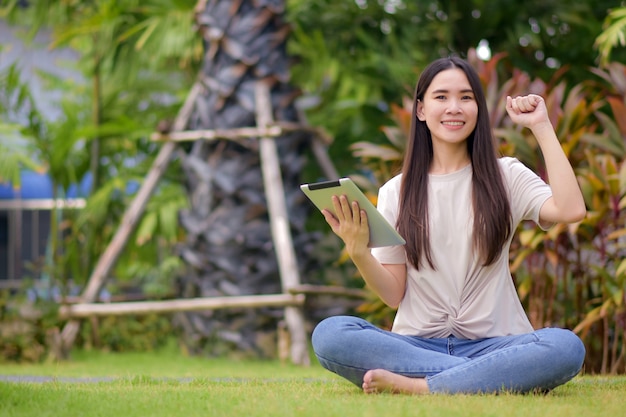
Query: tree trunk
{"x": 229, "y": 248}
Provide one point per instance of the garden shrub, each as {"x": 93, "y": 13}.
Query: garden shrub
{"x": 30, "y": 330}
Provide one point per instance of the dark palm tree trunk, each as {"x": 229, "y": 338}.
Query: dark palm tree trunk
{"x": 229, "y": 246}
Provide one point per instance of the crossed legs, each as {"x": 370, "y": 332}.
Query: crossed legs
{"x": 377, "y": 360}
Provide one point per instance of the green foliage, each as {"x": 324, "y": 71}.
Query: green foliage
{"x": 352, "y": 61}
{"x": 24, "y": 330}
{"x": 614, "y": 33}
{"x": 136, "y": 59}
{"x": 30, "y": 326}
{"x": 16, "y": 103}
{"x": 117, "y": 108}
{"x": 355, "y": 58}
{"x": 118, "y": 37}
{"x": 126, "y": 333}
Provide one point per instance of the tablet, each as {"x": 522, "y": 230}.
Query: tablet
{"x": 382, "y": 233}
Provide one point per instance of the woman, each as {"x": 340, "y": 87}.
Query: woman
{"x": 460, "y": 327}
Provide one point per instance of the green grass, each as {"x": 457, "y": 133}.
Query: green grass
{"x": 168, "y": 384}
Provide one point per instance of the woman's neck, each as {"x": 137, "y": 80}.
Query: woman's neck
{"x": 447, "y": 161}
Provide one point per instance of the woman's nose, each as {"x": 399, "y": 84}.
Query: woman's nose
{"x": 453, "y": 106}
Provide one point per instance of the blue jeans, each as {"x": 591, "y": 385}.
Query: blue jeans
{"x": 538, "y": 361}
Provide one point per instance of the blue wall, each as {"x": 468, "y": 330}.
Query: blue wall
{"x": 39, "y": 186}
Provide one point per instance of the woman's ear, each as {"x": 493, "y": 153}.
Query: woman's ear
{"x": 419, "y": 112}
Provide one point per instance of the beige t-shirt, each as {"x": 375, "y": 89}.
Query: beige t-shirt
{"x": 461, "y": 297}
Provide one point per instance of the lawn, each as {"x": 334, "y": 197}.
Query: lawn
{"x": 168, "y": 384}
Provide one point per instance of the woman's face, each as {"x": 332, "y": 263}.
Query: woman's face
{"x": 449, "y": 108}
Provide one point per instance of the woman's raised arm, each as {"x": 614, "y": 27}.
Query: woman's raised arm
{"x": 566, "y": 204}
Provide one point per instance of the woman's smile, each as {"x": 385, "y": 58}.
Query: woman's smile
{"x": 453, "y": 123}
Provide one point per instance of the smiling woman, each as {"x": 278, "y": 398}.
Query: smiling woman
{"x": 460, "y": 326}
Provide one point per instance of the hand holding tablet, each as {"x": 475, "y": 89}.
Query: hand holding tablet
{"x": 381, "y": 232}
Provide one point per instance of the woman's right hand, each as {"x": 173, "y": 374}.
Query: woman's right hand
{"x": 350, "y": 224}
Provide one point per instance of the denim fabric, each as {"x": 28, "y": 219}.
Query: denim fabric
{"x": 538, "y": 361}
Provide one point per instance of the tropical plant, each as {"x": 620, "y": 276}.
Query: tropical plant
{"x": 135, "y": 58}
{"x": 354, "y": 58}
{"x": 604, "y": 184}
{"x": 613, "y": 34}
{"x": 15, "y": 102}
{"x": 47, "y": 146}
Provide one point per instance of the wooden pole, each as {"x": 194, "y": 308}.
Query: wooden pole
{"x": 321, "y": 154}
{"x": 273, "y": 130}
{"x": 130, "y": 219}
{"x": 83, "y": 310}
{"x": 329, "y": 290}
{"x": 279, "y": 222}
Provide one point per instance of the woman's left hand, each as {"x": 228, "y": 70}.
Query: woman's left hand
{"x": 528, "y": 111}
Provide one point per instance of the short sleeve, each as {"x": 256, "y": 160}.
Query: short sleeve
{"x": 388, "y": 204}
{"x": 528, "y": 192}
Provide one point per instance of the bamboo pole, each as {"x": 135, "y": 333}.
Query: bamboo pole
{"x": 321, "y": 154}
{"x": 329, "y": 290}
{"x": 83, "y": 310}
{"x": 129, "y": 221}
{"x": 271, "y": 130}
{"x": 279, "y": 222}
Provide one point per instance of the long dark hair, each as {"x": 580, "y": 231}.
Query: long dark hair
{"x": 492, "y": 213}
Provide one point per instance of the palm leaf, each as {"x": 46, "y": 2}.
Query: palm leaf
{"x": 614, "y": 33}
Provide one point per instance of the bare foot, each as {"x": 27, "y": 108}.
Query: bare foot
{"x": 380, "y": 380}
